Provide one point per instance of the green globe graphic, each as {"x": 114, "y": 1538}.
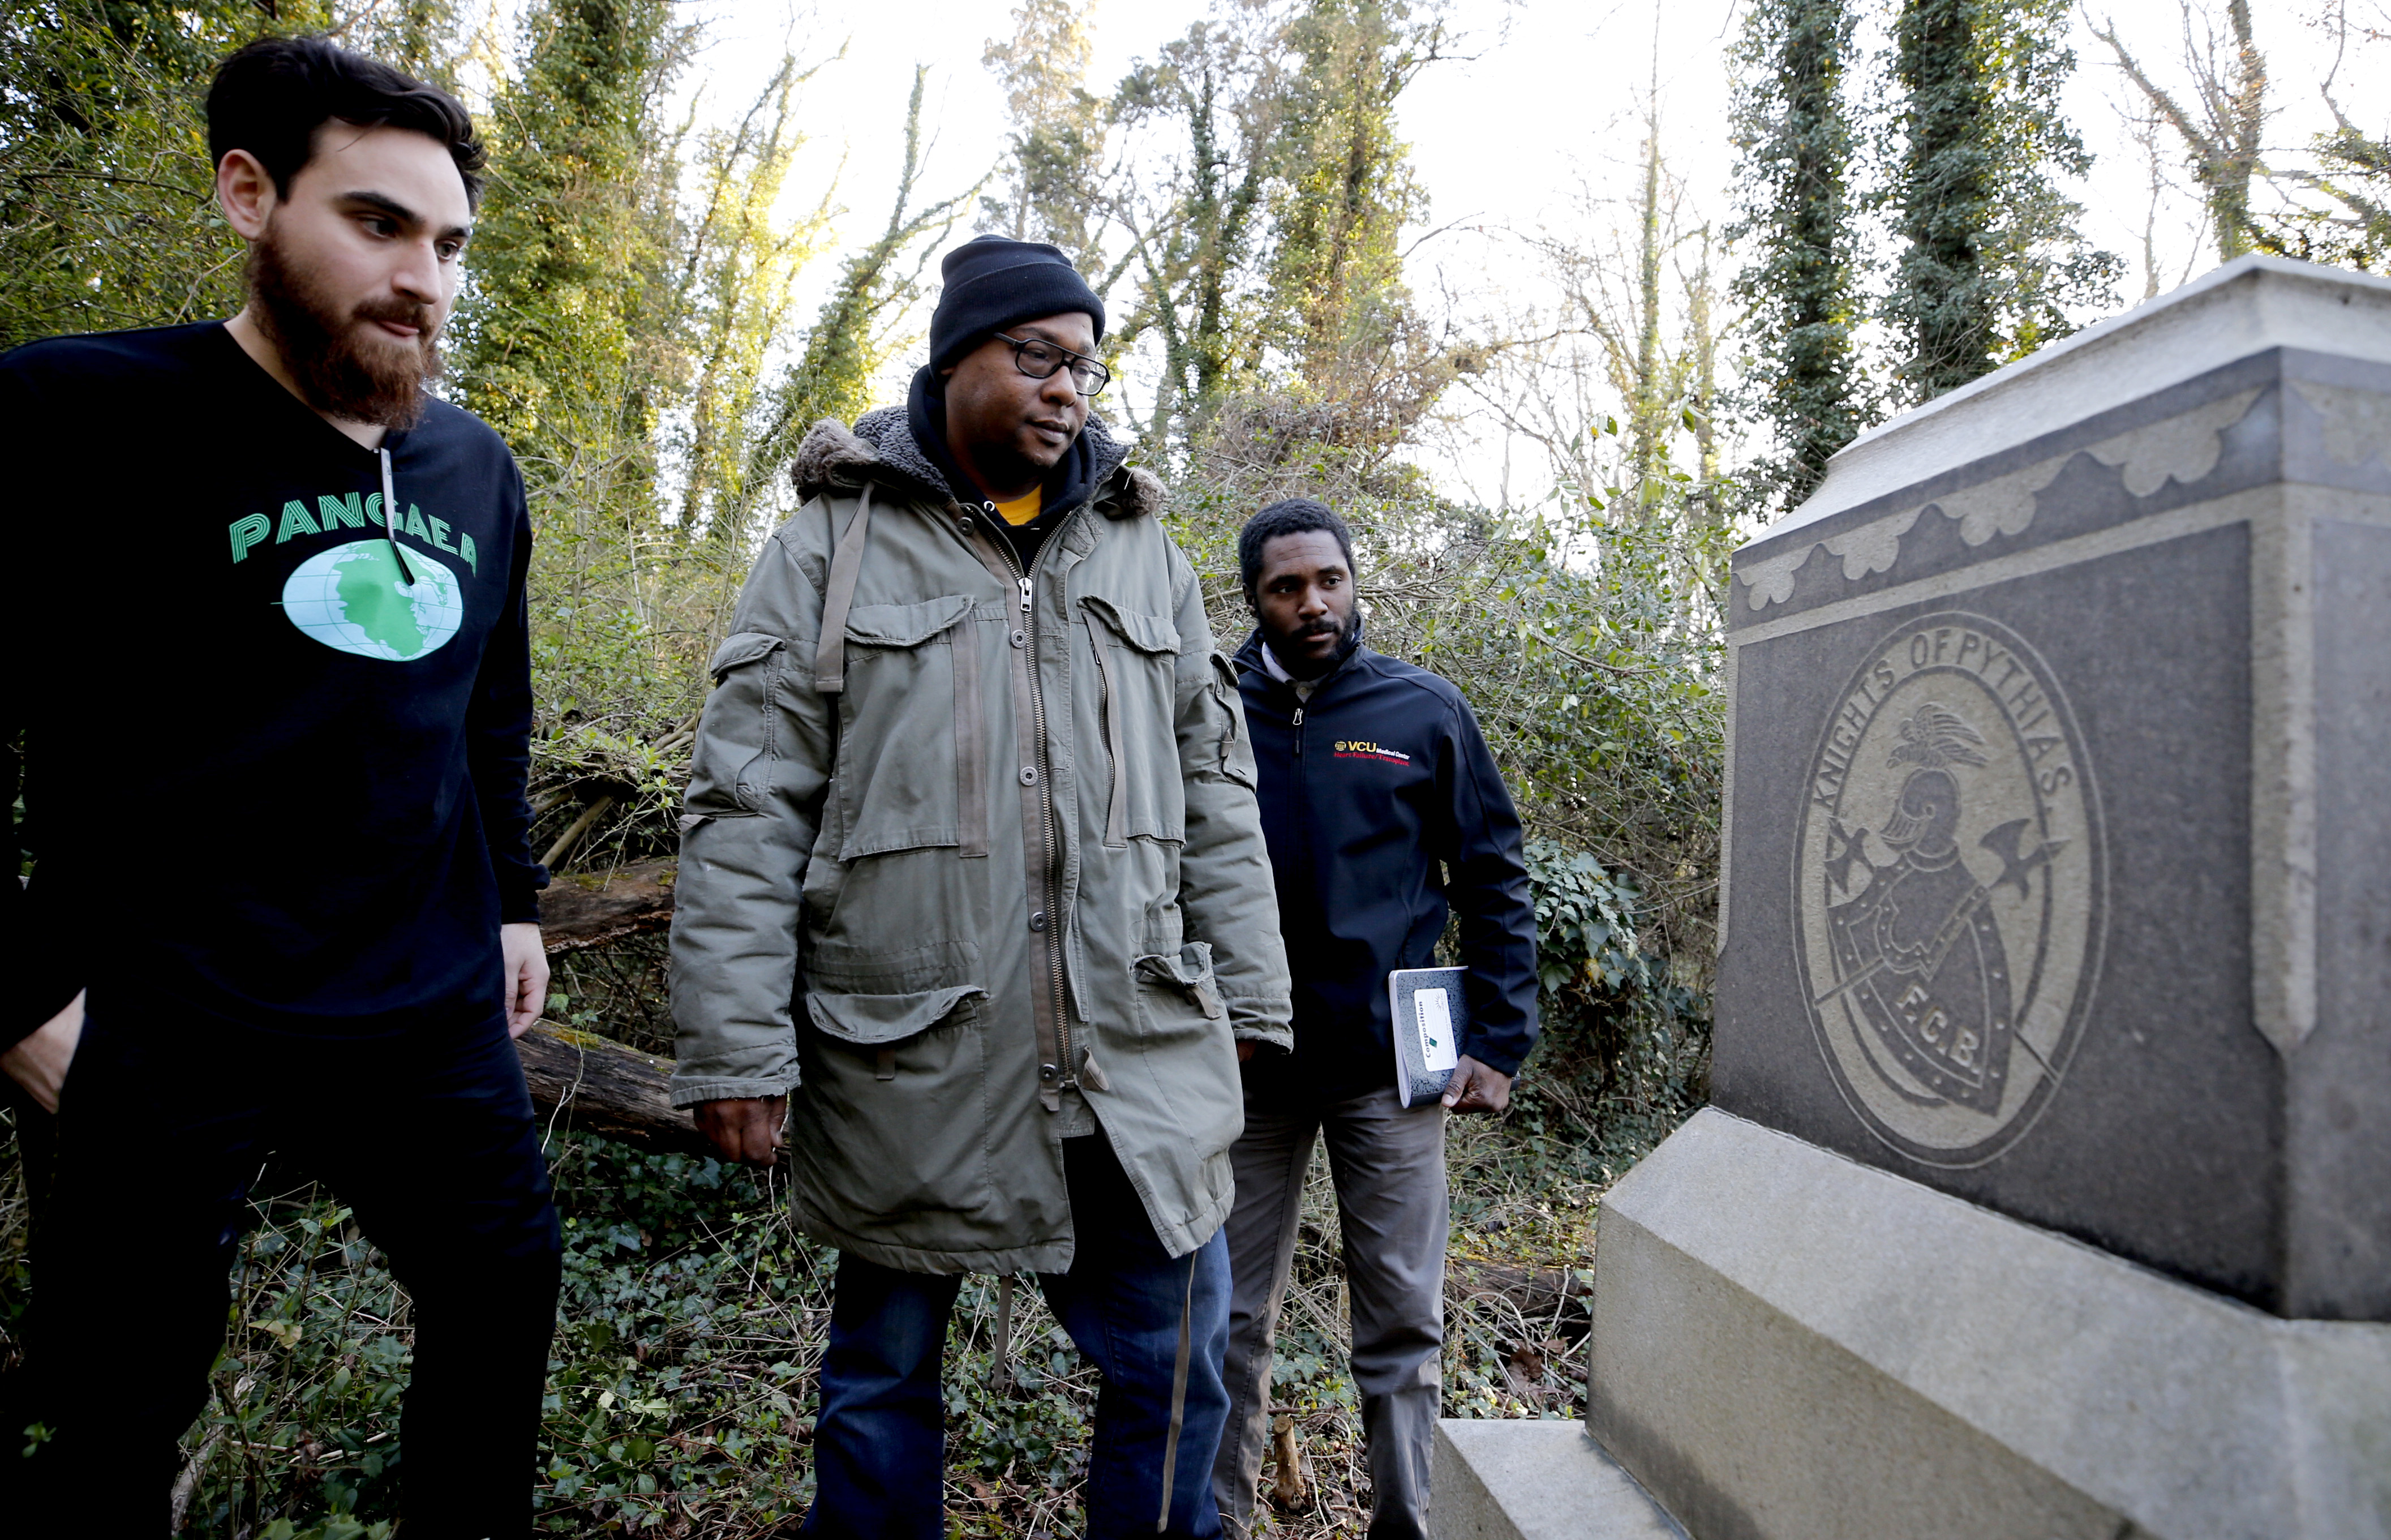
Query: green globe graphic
{"x": 351, "y": 598}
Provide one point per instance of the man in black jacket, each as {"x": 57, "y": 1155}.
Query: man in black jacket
{"x": 1382, "y": 806}
{"x": 297, "y": 681}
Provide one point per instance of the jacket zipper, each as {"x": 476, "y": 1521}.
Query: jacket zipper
{"x": 1056, "y": 993}
{"x": 1302, "y": 790}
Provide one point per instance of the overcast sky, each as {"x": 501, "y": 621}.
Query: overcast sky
{"x": 1542, "y": 111}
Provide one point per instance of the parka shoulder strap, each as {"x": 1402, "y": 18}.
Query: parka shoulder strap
{"x": 846, "y": 563}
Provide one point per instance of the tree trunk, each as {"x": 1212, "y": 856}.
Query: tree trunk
{"x": 589, "y": 910}
{"x": 583, "y": 1083}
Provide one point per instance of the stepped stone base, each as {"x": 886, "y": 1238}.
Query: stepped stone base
{"x": 1536, "y": 1481}
{"x": 1788, "y": 1344}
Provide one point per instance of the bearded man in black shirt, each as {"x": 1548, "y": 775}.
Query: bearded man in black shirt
{"x": 298, "y": 680}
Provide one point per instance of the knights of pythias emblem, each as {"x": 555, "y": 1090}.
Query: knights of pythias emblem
{"x": 1948, "y": 889}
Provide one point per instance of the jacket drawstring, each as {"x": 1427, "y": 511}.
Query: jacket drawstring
{"x": 389, "y": 520}
{"x": 1178, "y": 1392}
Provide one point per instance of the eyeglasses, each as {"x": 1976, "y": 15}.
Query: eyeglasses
{"x": 1039, "y": 359}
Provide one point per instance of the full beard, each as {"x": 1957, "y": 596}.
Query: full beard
{"x": 1308, "y": 668}
{"x": 339, "y": 371}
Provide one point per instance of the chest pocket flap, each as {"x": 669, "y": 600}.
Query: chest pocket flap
{"x": 1137, "y": 657}
{"x": 1151, "y": 634}
{"x": 910, "y": 750}
{"x": 905, "y": 625}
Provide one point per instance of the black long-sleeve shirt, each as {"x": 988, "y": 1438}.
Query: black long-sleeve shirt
{"x": 1382, "y": 803}
{"x": 262, "y": 773}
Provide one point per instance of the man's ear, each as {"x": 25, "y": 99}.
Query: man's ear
{"x": 246, "y": 193}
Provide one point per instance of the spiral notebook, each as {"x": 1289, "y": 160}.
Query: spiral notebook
{"x": 1428, "y": 1015}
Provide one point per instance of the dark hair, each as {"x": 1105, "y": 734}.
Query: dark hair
{"x": 269, "y": 98}
{"x": 1288, "y": 516}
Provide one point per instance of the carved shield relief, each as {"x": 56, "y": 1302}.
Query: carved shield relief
{"x": 1949, "y": 889}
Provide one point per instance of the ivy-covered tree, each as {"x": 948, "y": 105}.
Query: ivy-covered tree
{"x": 2353, "y": 227}
{"x": 736, "y": 270}
{"x": 426, "y": 38}
{"x": 1990, "y": 257}
{"x": 1800, "y": 282}
{"x": 570, "y": 251}
{"x": 1652, "y": 388}
{"x": 1219, "y": 88}
{"x": 2345, "y": 216}
{"x": 1048, "y": 189}
{"x": 834, "y": 375}
{"x": 1270, "y": 261}
{"x": 1343, "y": 185}
{"x": 108, "y": 215}
{"x": 2222, "y": 125}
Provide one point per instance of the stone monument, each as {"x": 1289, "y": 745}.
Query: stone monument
{"x": 2047, "y": 1189}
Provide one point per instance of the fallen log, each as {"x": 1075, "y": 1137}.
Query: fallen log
{"x": 584, "y": 1083}
{"x": 1540, "y": 1293}
{"x": 580, "y": 1080}
{"x": 590, "y": 908}
{"x": 593, "y": 1084}
{"x": 1554, "y": 1304}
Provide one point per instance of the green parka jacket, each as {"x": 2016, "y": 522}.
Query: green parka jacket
{"x": 992, "y": 849}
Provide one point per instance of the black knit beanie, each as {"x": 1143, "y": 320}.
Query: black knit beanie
{"x": 993, "y": 283}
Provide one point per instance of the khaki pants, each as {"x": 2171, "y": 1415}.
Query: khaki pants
{"x": 1389, "y": 1165}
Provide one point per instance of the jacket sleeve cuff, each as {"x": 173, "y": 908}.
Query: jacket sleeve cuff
{"x": 519, "y": 895}
{"x": 1261, "y": 1019}
{"x": 689, "y": 1090}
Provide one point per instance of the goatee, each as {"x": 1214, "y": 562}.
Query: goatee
{"x": 340, "y": 371}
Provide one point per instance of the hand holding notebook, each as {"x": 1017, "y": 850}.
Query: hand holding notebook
{"x": 1429, "y": 1013}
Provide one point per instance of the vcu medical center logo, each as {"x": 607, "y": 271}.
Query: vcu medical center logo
{"x": 1949, "y": 889}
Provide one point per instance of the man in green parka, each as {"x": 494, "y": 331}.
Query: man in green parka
{"x": 973, "y": 890}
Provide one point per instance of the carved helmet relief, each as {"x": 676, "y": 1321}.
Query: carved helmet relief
{"x": 1948, "y": 889}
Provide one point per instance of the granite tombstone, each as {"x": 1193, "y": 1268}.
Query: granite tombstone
{"x": 2048, "y": 1187}
{"x": 2058, "y": 875}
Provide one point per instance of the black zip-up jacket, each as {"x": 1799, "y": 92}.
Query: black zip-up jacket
{"x": 1381, "y": 804}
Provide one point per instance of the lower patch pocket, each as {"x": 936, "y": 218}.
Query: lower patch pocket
{"x": 890, "y": 1115}
{"x": 874, "y": 1020}
{"x": 1176, "y": 994}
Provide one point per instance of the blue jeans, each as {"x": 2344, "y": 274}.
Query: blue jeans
{"x": 880, "y": 1444}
